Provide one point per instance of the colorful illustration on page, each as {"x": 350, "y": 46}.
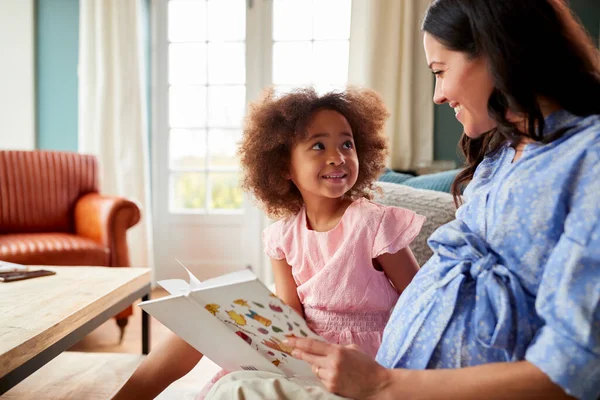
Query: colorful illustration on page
{"x": 212, "y": 308}
{"x": 237, "y": 318}
{"x": 263, "y": 322}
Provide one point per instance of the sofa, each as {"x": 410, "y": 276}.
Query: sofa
{"x": 438, "y": 207}
{"x": 51, "y": 213}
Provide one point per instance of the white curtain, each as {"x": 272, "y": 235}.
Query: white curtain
{"x": 113, "y": 109}
{"x": 386, "y": 55}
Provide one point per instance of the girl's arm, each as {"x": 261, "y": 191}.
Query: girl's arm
{"x": 349, "y": 372}
{"x": 285, "y": 286}
{"x": 400, "y": 267}
{"x": 169, "y": 361}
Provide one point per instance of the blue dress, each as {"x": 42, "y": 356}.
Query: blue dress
{"x": 517, "y": 275}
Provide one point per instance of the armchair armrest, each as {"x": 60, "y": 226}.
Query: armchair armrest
{"x": 105, "y": 220}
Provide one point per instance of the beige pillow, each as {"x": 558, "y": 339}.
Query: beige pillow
{"x": 438, "y": 207}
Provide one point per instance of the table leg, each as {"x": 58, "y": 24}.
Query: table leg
{"x": 145, "y": 329}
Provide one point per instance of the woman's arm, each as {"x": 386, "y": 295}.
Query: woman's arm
{"x": 285, "y": 286}
{"x": 517, "y": 380}
{"x": 349, "y": 372}
{"x": 400, "y": 268}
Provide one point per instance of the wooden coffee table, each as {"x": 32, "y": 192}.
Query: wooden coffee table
{"x": 42, "y": 317}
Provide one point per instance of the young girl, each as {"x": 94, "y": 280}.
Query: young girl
{"x": 338, "y": 259}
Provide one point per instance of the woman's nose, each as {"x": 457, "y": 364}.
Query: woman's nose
{"x": 438, "y": 96}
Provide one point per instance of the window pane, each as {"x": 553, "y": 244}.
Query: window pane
{"x": 226, "y": 20}
{"x": 187, "y": 63}
{"x": 222, "y": 144}
{"x": 188, "y": 190}
{"x": 291, "y": 63}
{"x": 225, "y": 190}
{"x": 226, "y": 105}
{"x": 187, "y": 106}
{"x": 323, "y": 89}
{"x": 332, "y": 19}
{"x": 187, "y": 148}
{"x": 187, "y": 20}
{"x": 280, "y": 90}
{"x": 292, "y": 19}
{"x": 226, "y": 63}
{"x": 330, "y": 62}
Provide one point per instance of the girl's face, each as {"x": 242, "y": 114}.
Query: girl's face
{"x": 324, "y": 164}
{"x": 465, "y": 84}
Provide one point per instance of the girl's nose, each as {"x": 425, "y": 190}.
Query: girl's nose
{"x": 336, "y": 158}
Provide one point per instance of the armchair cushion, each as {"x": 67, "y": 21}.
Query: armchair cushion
{"x": 105, "y": 220}
{"x": 52, "y": 249}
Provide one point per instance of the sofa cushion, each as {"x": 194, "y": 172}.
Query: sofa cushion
{"x": 439, "y": 181}
{"x": 394, "y": 177}
{"x": 438, "y": 207}
{"x": 52, "y": 249}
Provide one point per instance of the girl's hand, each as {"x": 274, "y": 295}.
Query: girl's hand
{"x": 344, "y": 370}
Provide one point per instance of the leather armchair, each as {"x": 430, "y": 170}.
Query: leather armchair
{"x": 52, "y": 214}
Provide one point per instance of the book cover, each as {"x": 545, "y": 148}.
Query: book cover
{"x": 235, "y": 321}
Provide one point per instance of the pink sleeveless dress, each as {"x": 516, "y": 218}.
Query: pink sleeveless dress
{"x": 345, "y": 299}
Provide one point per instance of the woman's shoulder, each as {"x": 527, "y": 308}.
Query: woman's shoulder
{"x": 583, "y": 130}
{"x": 587, "y": 131}
{"x": 591, "y": 122}
{"x": 580, "y": 139}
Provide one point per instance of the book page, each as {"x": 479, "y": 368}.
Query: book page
{"x": 179, "y": 286}
{"x": 260, "y": 318}
{"x": 175, "y": 287}
{"x": 232, "y": 278}
{"x": 197, "y": 326}
{"x": 194, "y": 282}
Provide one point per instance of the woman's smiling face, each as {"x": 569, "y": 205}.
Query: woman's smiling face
{"x": 464, "y": 83}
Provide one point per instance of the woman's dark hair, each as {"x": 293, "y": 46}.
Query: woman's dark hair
{"x": 535, "y": 49}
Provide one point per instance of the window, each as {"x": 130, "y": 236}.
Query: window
{"x": 207, "y": 85}
{"x": 310, "y": 43}
{"x": 207, "y": 95}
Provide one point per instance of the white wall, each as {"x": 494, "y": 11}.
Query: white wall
{"x": 17, "y": 85}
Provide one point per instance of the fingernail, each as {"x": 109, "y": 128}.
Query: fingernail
{"x": 285, "y": 341}
{"x": 295, "y": 353}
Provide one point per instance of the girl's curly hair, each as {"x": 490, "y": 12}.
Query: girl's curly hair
{"x": 274, "y": 124}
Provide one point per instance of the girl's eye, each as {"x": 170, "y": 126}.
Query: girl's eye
{"x": 348, "y": 145}
{"x": 437, "y": 73}
{"x": 318, "y": 146}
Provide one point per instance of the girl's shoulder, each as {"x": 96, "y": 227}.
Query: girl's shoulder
{"x": 366, "y": 209}
{"x": 375, "y": 214}
{"x": 283, "y": 225}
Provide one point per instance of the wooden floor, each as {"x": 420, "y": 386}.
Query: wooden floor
{"x": 105, "y": 339}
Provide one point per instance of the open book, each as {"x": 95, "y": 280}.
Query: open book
{"x": 235, "y": 321}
